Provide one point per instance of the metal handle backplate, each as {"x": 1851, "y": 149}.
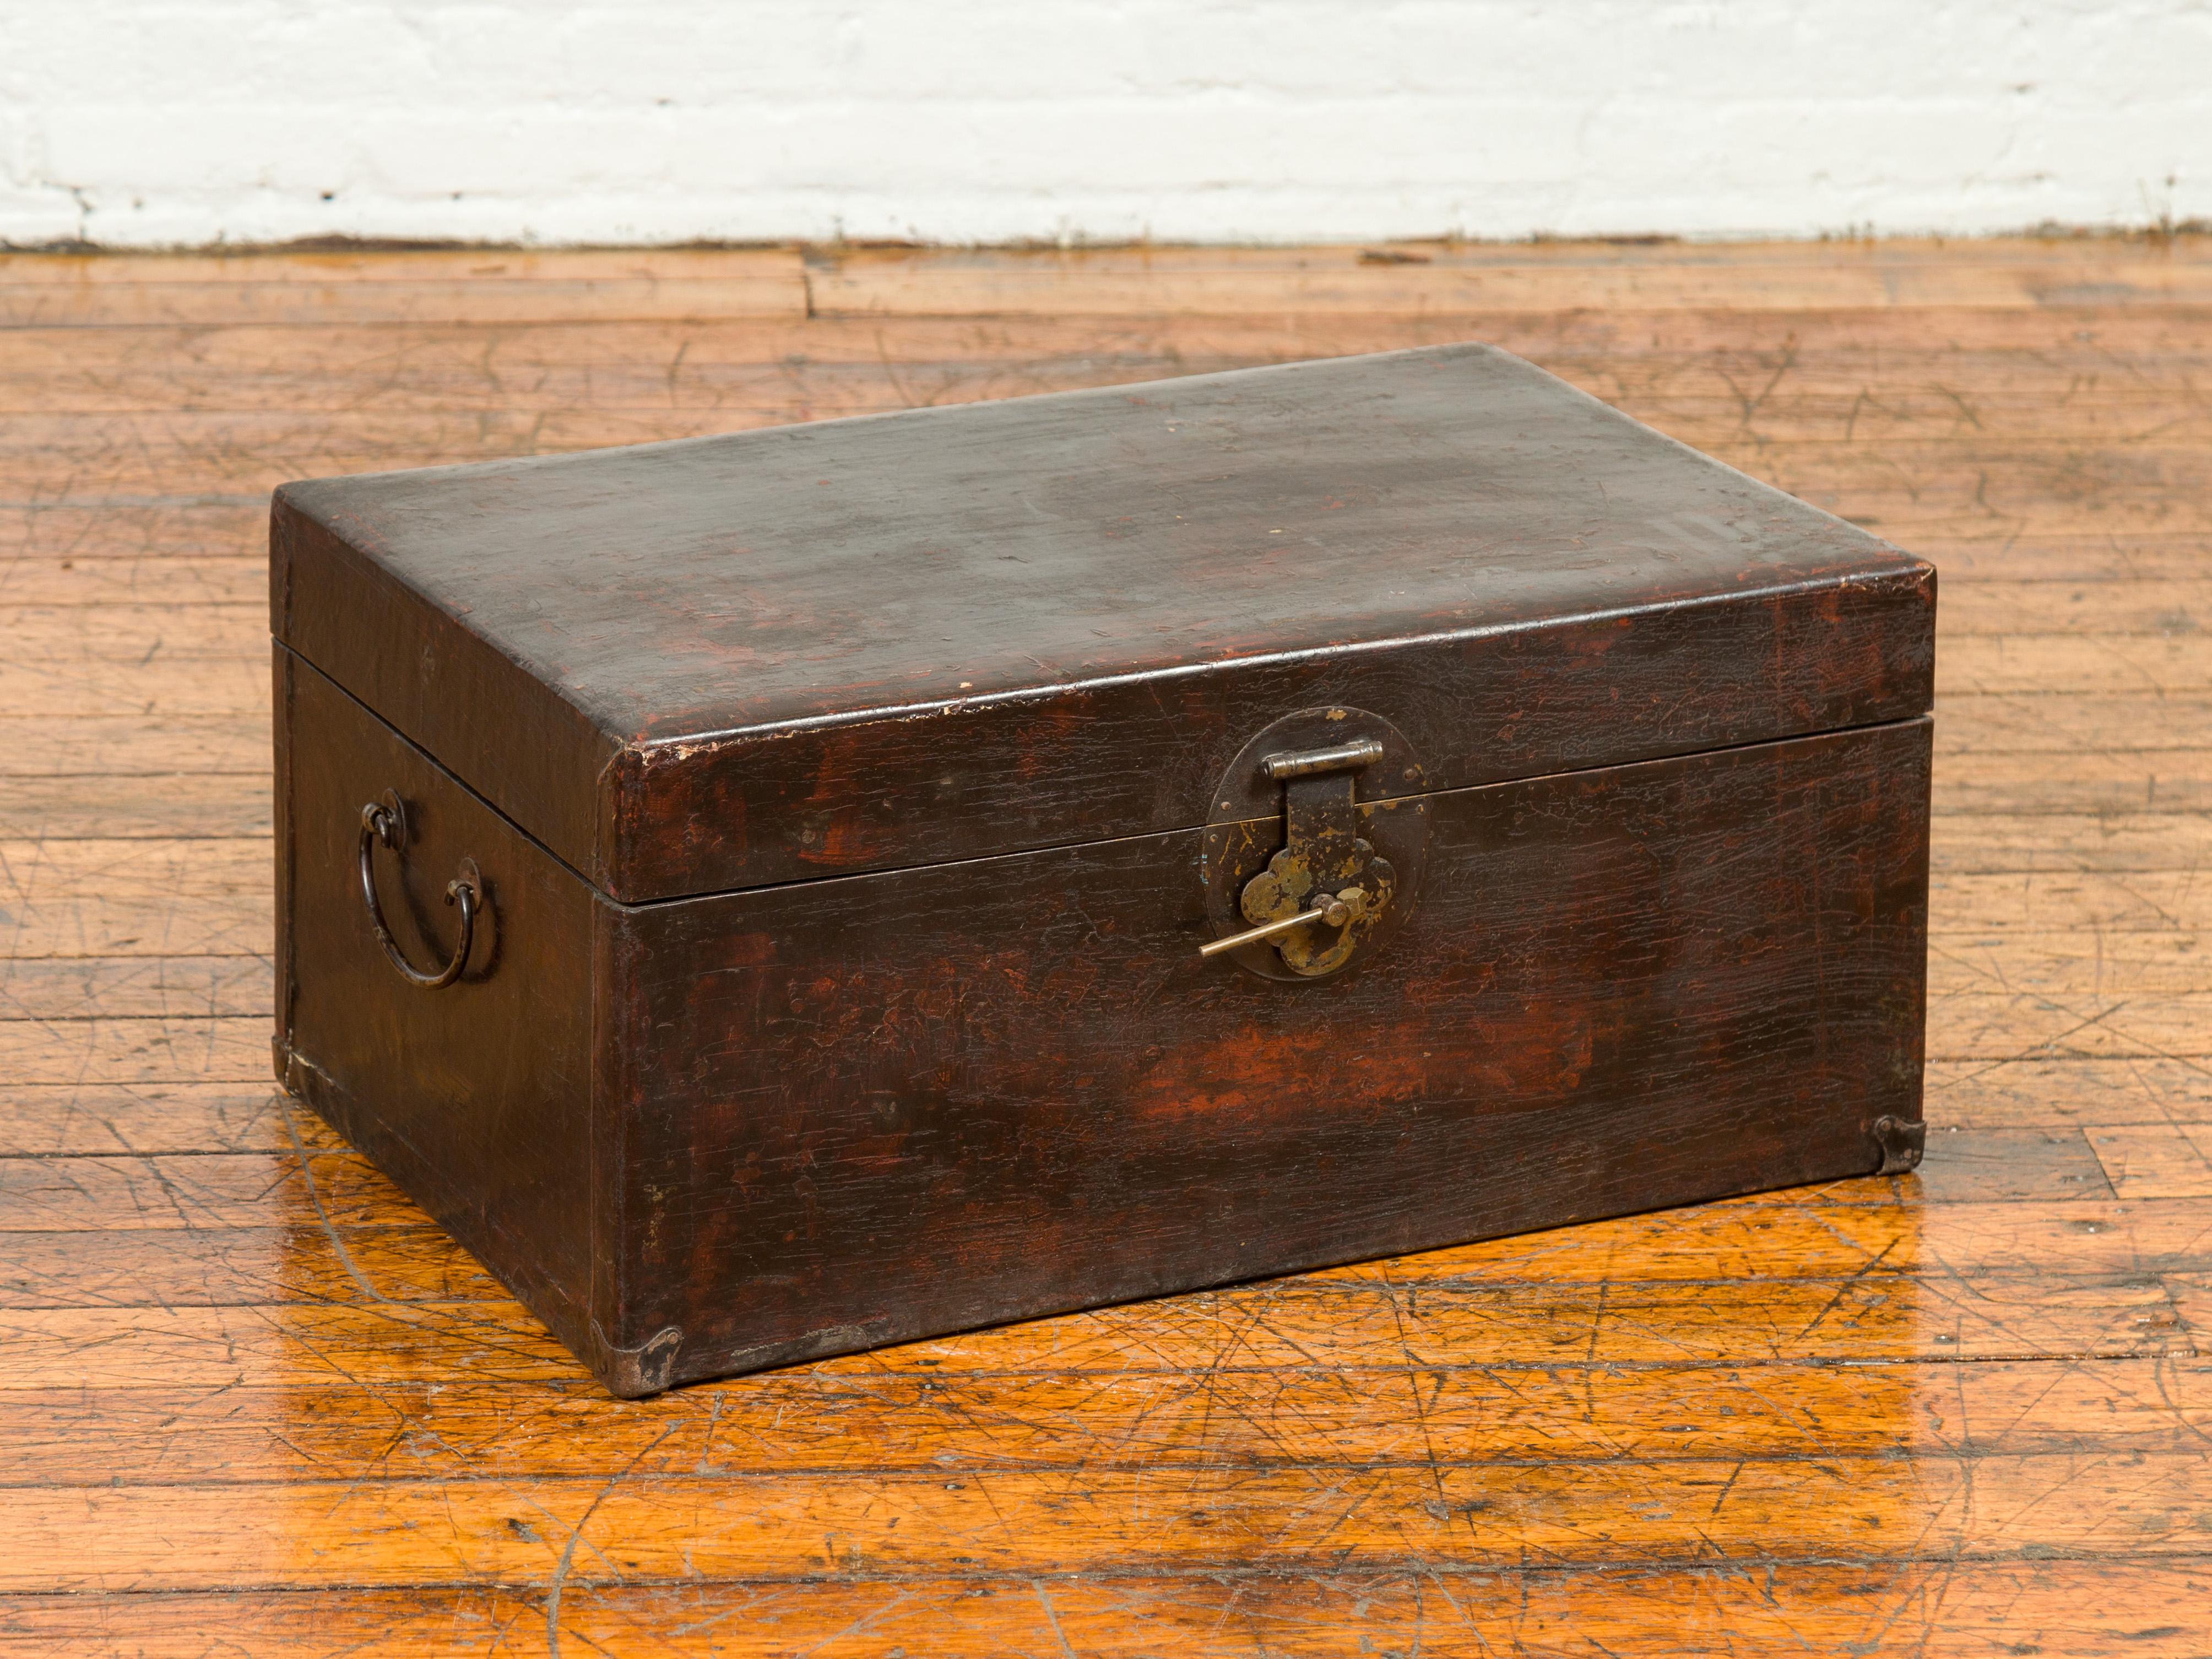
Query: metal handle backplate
{"x": 385, "y": 821}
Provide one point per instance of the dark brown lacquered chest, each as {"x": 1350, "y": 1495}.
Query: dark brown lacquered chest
{"x": 776, "y": 895}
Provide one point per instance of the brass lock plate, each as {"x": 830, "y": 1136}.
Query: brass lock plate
{"x": 1318, "y": 836}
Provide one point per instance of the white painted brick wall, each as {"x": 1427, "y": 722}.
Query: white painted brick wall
{"x": 148, "y": 122}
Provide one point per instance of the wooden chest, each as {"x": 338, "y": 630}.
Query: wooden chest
{"x": 755, "y": 891}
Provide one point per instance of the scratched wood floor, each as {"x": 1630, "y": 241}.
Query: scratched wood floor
{"x": 250, "y": 1403}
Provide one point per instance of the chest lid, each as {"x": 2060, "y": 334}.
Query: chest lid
{"x": 952, "y": 633}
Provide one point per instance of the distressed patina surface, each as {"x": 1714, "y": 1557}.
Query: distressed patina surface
{"x": 850, "y": 1062}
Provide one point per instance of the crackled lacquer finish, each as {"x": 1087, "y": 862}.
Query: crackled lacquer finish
{"x": 881, "y": 1108}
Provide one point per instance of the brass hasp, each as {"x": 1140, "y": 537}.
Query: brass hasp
{"x": 1326, "y": 888}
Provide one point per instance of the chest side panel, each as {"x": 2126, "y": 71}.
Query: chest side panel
{"x": 475, "y": 1098}
{"x": 893, "y": 1105}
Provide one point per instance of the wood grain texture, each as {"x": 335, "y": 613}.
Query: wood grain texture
{"x": 338, "y": 1222}
{"x": 251, "y": 1400}
{"x": 2070, "y": 1609}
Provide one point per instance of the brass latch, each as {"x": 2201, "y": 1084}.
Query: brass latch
{"x": 1327, "y": 887}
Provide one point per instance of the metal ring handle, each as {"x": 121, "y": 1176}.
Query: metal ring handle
{"x": 385, "y": 821}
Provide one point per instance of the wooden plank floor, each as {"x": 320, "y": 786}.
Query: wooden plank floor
{"x": 250, "y": 1403}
